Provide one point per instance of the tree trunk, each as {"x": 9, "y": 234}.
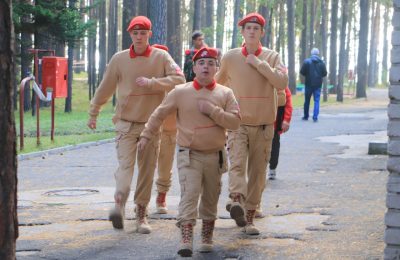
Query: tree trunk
{"x": 362, "y": 64}
{"x": 71, "y": 43}
{"x": 158, "y": 16}
{"x": 197, "y": 15}
{"x": 348, "y": 36}
{"x": 291, "y": 46}
{"x": 209, "y": 23}
{"x": 91, "y": 54}
{"x": 342, "y": 53}
{"x": 8, "y": 159}
{"x": 333, "y": 45}
{"x": 373, "y": 65}
{"x": 269, "y": 30}
{"x": 129, "y": 10}
{"x": 385, "y": 47}
{"x": 324, "y": 42}
{"x": 250, "y": 6}
{"x": 220, "y": 23}
{"x": 26, "y": 59}
{"x": 143, "y": 8}
{"x": 102, "y": 40}
{"x": 303, "y": 43}
{"x": 174, "y": 41}
{"x": 236, "y": 17}
{"x": 312, "y": 21}
{"x": 281, "y": 34}
{"x": 264, "y": 11}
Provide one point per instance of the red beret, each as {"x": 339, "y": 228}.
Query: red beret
{"x": 252, "y": 18}
{"x": 139, "y": 23}
{"x": 160, "y": 46}
{"x": 206, "y": 52}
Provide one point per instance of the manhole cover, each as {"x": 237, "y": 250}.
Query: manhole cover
{"x": 70, "y": 192}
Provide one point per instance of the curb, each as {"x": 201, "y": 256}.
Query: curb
{"x": 58, "y": 150}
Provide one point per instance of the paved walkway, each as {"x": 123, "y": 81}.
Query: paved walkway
{"x": 328, "y": 201}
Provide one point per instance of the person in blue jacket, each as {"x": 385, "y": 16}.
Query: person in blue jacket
{"x": 314, "y": 70}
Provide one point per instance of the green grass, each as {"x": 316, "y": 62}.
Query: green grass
{"x": 70, "y": 128}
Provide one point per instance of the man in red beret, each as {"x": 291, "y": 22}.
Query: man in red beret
{"x": 204, "y": 110}
{"x": 254, "y": 73}
{"x": 140, "y": 76}
{"x": 165, "y": 156}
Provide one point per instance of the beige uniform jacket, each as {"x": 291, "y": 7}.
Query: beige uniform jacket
{"x": 254, "y": 86}
{"x": 196, "y": 130}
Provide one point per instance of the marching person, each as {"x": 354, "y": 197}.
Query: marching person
{"x": 254, "y": 73}
{"x": 140, "y": 76}
{"x": 197, "y": 44}
{"x": 204, "y": 110}
{"x": 165, "y": 156}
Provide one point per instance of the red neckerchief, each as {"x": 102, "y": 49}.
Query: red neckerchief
{"x": 210, "y": 86}
{"x": 133, "y": 54}
{"x": 258, "y": 51}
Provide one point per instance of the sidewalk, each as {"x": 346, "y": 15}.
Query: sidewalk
{"x": 328, "y": 201}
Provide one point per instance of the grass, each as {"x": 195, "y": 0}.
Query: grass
{"x": 70, "y": 128}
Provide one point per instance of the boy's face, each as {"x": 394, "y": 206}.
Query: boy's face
{"x": 252, "y": 32}
{"x": 140, "y": 38}
{"x": 205, "y": 69}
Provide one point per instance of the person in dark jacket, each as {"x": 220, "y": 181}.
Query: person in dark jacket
{"x": 197, "y": 44}
{"x": 314, "y": 70}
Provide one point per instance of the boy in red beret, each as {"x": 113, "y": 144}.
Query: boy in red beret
{"x": 204, "y": 110}
{"x": 254, "y": 73}
{"x": 140, "y": 76}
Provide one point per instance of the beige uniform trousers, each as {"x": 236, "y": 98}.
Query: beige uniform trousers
{"x": 199, "y": 175}
{"x": 249, "y": 150}
{"x": 127, "y": 137}
{"x": 165, "y": 160}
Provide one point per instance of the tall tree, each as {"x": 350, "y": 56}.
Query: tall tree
{"x": 158, "y": 16}
{"x": 373, "y": 64}
{"x": 386, "y": 22}
{"x": 143, "y": 8}
{"x": 333, "y": 45}
{"x": 92, "y": 79}
{"x": 112, "y": 40}
{"x": 280, "y": 40}
{"x": 312, "y": 21}
{"x": 264, "y": 11}
{"x": 209, "y": 23}
{"x": 303, "y": 42}
{"x": 220, "y": 23}
{"x": 102, "y": 40}
{"x": 71, "y": 45}
{"x": 236, "y": 16}
{"x": 129, "y": 10}
{"x": 174, "y": 39}
{"x": 324, "y": 43}
{"x": 8, "y": 159}
{"x": 362, "y": 64}
{"x": 342, "y": 53}
{"x": 26, "y": 58}
{"x": 197, "y": 15}
{"x": 291, "y": 46}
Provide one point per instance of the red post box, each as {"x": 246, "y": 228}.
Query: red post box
{"x": 55, "y": 75}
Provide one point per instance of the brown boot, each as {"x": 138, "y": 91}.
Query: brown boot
{"x": 206, "y": 236}
{"x": 117, "y": 214}
{"x": 142, "y": 226}
{"x": 186, "y": 247}
{"x": 161, "y": 205}
{"x": 237, "y": 210}
{"x": 250, "y": 229}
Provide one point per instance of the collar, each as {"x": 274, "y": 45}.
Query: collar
{"x": 258, "y": 51}
{"x": 210, "y": 86}
{"x": 146, "y": 53}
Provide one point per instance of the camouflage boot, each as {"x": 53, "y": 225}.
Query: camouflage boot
{"x": 237, "y": 210}
{"x": 186, "y": 247}
{"x": 161, "y": 205}
{"x": 250, "y": 229}
{"x": 207, "y": 236}
{"x": 142, "y": 226}
{"x": 117, "y": 214}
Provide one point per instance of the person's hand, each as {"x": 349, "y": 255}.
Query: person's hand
{"x": 92, "y": 123}
{"x": 285, "y": 126}
{"x": 143, "y": 81}
{"x": 142, "y": 143}
{"x": 205, "y": 106}
{"x": 251, "y": 59}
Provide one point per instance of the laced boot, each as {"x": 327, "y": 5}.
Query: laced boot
{"x": 161, "y": 205}
{"x": 237, "y": 210}
{"x": 142, "y": 226}
{"x": 250, "y": 229}
{"x": 117, "y": 214}
{"x": 207, "y": 235}
{"x": 186, "y": 247}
